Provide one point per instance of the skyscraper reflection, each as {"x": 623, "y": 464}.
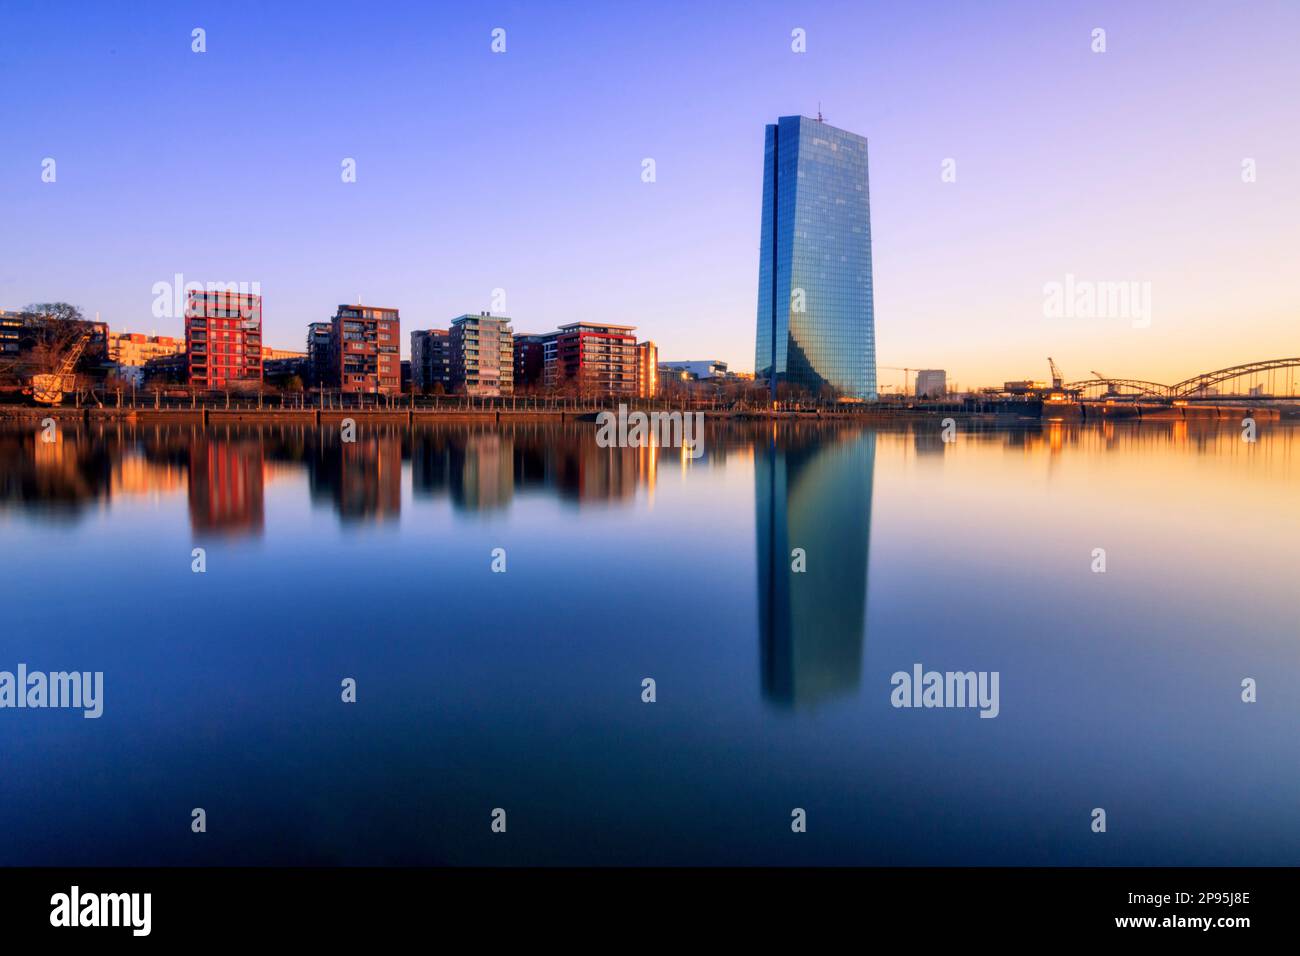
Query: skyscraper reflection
{"x": 813, "y": 492}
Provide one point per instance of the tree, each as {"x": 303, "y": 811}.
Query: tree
{"x": 55, "y": 312}
{"x": 49, "y": 331}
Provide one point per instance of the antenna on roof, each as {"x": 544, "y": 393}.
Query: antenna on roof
{"x": 820, "y": 118}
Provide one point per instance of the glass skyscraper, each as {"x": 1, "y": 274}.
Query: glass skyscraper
{"x": 816, "y": 321}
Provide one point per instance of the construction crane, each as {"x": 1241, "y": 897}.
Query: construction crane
{"x": 906, "y": 374}
{"x": 1057, "y": 379}
{"x": 48, "y": 388}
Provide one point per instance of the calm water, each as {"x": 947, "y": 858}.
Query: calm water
{"x": 522, "y": 690}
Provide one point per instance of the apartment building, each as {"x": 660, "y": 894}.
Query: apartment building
{"x": 223, "y": 338}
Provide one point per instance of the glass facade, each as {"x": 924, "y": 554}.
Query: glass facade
{"x": 816, "y": 320}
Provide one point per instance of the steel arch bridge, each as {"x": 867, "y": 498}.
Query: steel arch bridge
{"x": 1264, "y": 375}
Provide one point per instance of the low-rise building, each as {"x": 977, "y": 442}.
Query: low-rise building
{"x": 931, "y": 383}
{"x": 696, "y": 368}
{"x": 23, "y": 331}
{"x": 134, "y": 348}
{"x": 131, "y": 351}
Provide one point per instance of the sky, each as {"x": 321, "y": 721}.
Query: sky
{"x": 521, "y": 171}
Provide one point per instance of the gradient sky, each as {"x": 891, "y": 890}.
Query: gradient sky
{"x": 522, "y": 171}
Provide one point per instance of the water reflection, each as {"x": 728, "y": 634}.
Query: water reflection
{"x": 226, "y": 469}
{"x": 624, "y": 563}
{"x": 361, "y": 478}
{"x": 225, "y": 484}
{"x": 813, "y": 493}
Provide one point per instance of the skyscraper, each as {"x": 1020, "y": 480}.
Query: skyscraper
{"x": 816, "y": 321}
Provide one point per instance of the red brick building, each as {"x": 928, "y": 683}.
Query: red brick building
{"x": 223, "y": 339}
{"x": 601, "y": 359}
{"x": 365, "y": 345}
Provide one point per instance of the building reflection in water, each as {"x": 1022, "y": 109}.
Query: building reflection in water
{"x": 813, "y": 491}
{"x": 225, "y": 483}
{"x": 58, "y": 478}
{"x": 482, "y": 467}
{"x": 362, "y": 478}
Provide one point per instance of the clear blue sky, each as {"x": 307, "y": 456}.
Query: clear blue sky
{"x": 523, "y": 170}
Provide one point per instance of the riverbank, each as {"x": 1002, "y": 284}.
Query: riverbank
{"x": 1009, "y": 414}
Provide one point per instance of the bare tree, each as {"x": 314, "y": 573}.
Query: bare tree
{"x": 49, "y": 332}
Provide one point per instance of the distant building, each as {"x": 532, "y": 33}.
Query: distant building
{"x": 318, "y": 352}
{"x": 816, "y": 318}
{"x": 22, "y": 331}
{"x": 670, "y": 374}
{"x": 223, "y": 339}
{"x": 269, "y": 354}
{"x": 530, "y": 360}
{"x": 700, "y": 368}
{"x": 1024, "y": 387}
{"x": 364, "y": 352}
{"x": 431, "y": 360}
{"x": 600, "y": 358}
{"x": 284, "y": 364}
{"x": 11, "y": 331}
{"x": 165, "y": 370}
{"x": 647, "y": 369}
{"x": 134, "y": 349}
{"x": 482, "y": 355}
{"x": 931, "y": 383}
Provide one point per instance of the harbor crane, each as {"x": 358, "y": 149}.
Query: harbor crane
{"x": 48, "y": 388}
{"x": 1058, "y": 381}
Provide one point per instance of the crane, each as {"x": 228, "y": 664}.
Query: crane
{"x": 1057, "y": 379}
{"x": 48, "y": 389}
{"x": 906, "y": 374}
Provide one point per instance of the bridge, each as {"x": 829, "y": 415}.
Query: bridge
{"x": 1270, "y": 379}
